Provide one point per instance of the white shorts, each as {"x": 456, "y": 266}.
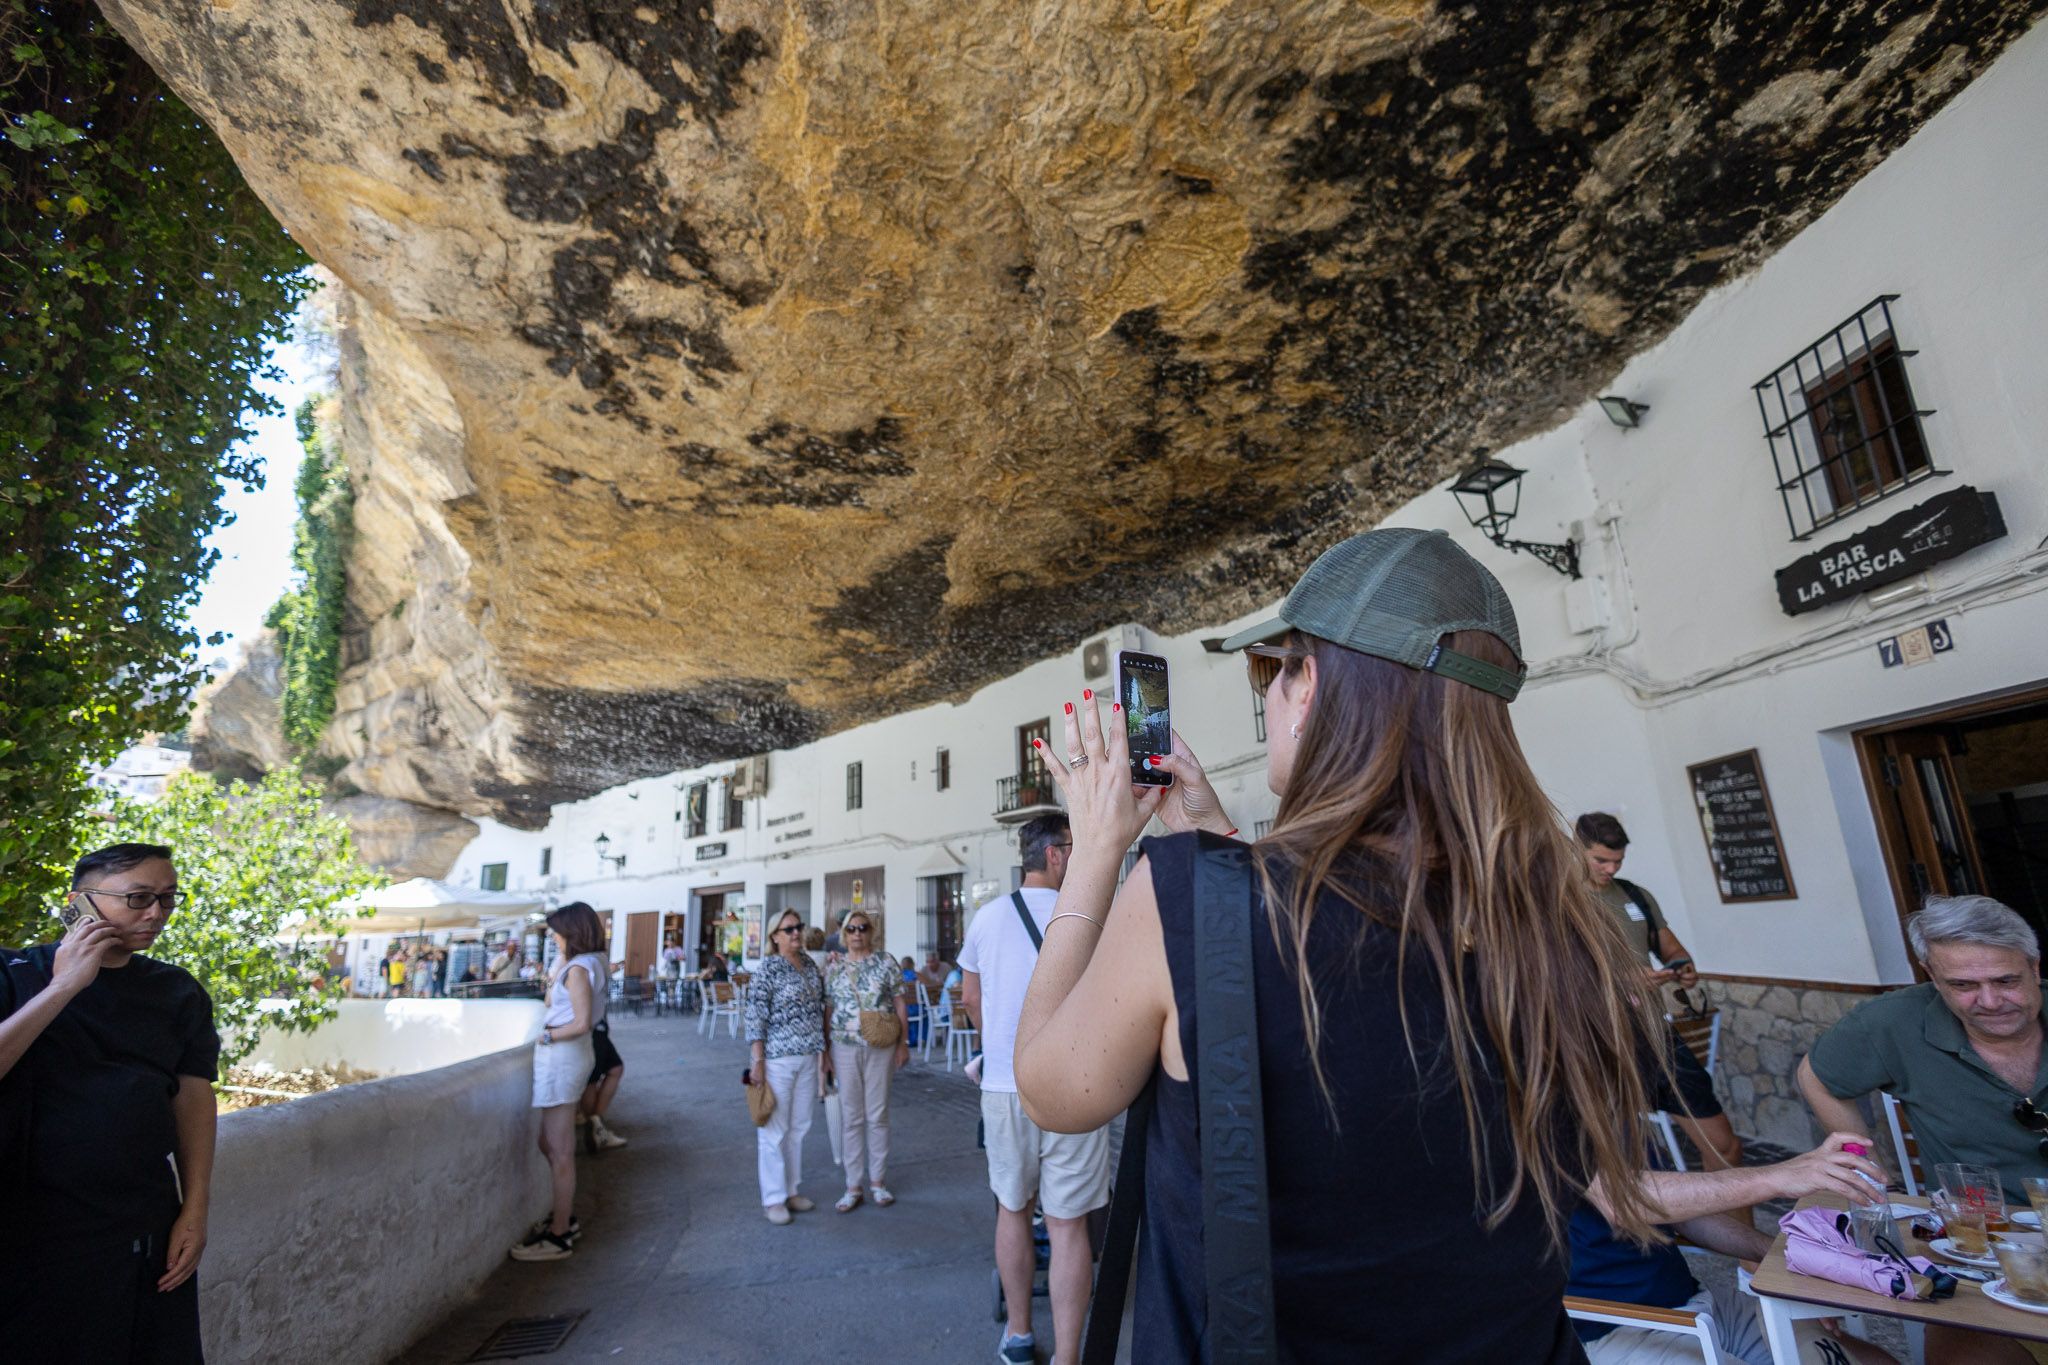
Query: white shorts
{"x": 561, "y": 1070}
{"x": 1069, "y": 1172}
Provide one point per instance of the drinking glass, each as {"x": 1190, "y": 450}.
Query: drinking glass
{"x": 1975, "y": 1184}
{"x": 1963, "y": 1222}
{"x": 2037, "y": 1195}
{"x": 1869, "y": 1222}
{"x": 2025, "y": 1263}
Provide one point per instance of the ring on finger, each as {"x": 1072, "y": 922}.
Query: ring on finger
{"x": 1076, "y": 762}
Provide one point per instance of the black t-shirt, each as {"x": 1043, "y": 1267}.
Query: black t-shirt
{"x": 97, "y": 1086}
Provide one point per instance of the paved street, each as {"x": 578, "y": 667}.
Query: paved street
{"x": 677, "y": 1263}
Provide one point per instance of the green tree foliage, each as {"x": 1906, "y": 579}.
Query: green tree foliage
{"x": 141, "y": 286}
{"x": 308, "y": 617}
{"x": 259, "y": 862}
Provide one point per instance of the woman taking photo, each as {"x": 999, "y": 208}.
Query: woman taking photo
{"x": 869, "y": 1025}
{"x": 562, "y": 1061}
{"x": 1445, "y": 1030}
{"x": 786, "y": 1026}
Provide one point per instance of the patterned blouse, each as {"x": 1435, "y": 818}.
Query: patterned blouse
{"x": 873, "y": 983}
{"x": 786, "y": 1007}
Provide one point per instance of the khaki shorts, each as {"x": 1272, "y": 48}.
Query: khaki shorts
{"x": 1069, "y": 1172}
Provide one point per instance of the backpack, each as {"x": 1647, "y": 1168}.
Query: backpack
{"x": 1237, "y": 1236}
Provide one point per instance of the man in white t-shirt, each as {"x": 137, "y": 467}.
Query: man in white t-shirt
{"x": 1067, "y": 1172}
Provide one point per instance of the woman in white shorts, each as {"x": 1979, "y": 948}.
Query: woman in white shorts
{"x": 562, "y": 1059}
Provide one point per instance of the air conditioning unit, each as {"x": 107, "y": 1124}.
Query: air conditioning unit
{"x": 750, "y": 778}
{"x": 1095, "y": 660}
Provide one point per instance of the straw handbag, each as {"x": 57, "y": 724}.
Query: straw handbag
{"x": 760, "y": 1103}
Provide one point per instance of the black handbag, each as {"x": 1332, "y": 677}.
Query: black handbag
{"x": 1236, "y": 1220}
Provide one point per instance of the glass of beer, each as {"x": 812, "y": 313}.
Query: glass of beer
{"x": 1978, "y": 1185}
{"x": 2025, "y": 1263}
{"x": 1964, "y": 1223}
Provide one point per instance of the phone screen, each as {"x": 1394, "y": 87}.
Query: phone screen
{"x": 1141, "y": 685}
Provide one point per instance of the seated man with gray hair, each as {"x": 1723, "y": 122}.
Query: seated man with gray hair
{"x": 1962, "y": 1052}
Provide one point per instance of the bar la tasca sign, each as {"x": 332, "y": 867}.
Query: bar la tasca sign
{"x": 1898, "y": 547}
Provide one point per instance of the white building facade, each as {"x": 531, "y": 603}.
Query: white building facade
{"x": 1866, "y": 412}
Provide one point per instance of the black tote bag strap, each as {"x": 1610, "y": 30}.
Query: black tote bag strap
{"x": 1120, "y": 1240}
{"x": 1024, "y": 913}
{"x": 1236, "y": 1231}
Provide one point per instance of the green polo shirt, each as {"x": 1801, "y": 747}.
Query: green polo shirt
{"x": 1907, "y": 1042}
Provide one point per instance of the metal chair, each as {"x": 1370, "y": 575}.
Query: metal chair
{"x": 1904, "y": 1145}
{"x": 1701, "y": 1033}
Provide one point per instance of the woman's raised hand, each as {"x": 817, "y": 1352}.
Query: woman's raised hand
{"x": 1190, "y": 803}
{"x": 1107, "y": 811}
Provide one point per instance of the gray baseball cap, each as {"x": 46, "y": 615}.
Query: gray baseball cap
{"x": 1395, "y": 593}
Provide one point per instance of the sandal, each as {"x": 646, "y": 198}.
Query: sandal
{"x": 848, "y": 1202}
{"x": 883, "y": 1199}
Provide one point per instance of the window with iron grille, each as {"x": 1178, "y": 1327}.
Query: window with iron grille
{"x": 1031, "y": 760}
{"x": 853, "y": 786}
{"x": 547, "y": 861}
{"x": 1259, "y": 716}
{"x": 696, "y": 817}
{"x": 1131, "y": 857}
{"x": 492, "y": 878}
{"x": 1260, "y": 829}
{"x": 943, "y": 766}
{"x": 1843, "y": 427}
{"x": 735, "y": 808}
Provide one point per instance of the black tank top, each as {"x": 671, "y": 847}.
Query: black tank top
{"x": 1379, "y": 1254}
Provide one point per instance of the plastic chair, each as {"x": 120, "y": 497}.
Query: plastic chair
{"x": 1676, "y": 1321}
{"x": 959, "y": 1029}
{"x": 724, "y": 1004}
{"x": 936, "y": 1022}
{"x": 1701, "y": 1033}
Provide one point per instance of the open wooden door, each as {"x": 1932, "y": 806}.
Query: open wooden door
{"x": 643, "y": 942}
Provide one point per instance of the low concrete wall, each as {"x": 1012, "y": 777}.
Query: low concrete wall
{"x": 346, "y": 1224}
{"x": 401, "y": 1037}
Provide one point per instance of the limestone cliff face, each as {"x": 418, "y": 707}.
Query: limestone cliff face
{"x": 729, "y": 372}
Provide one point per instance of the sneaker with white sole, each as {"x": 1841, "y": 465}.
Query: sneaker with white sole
{"x": 546, "y": 1220}
{"x": 543, "y": 1246}
{"x": 602, "y": 1137}
{"x": 1017, "y": 1350}
{"x": 778, "y": 1214}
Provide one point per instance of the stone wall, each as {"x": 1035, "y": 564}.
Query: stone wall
{"x": 1765, "y": 1030}
{"x": 346, "y": 1224}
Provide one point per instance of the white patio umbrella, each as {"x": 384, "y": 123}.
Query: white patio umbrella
{"x": 422, "y": 905}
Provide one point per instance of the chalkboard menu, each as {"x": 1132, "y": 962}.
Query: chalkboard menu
{"x": 1740, "y": 829}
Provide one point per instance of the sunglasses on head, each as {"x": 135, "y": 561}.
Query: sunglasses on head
{"x": 1263, "y": 663}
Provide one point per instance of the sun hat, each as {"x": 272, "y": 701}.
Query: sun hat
{"x": 1395, "y": 593}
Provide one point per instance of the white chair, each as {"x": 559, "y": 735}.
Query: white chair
{"x": 1677, "y": 1321}
{"x": 959, "y": 1030}
{"x": 1904, "y": 1145}
{"x": 934, "y": 1021}
{"x": 722, "y": 1002}
{"x": 1703, "y": 1035}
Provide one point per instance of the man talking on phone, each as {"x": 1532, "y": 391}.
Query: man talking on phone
{"x": 107, "y": 1064}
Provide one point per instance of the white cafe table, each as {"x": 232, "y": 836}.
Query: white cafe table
{"x": 1787, "y": 1298}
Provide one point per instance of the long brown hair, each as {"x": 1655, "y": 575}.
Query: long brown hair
{"x": 1419, "y": 784}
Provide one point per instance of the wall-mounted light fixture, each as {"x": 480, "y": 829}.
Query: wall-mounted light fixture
{"x": 604, "y": 854}
{"x": 1490, "y": 495}
{"x": 1622, "y": 412}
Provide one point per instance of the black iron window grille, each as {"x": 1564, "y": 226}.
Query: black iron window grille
{"x": 853, "y": 792}
{"x": 694, "y": 803}
{"x": 1843, "y": 427}
{"x": 1259, "y": 716}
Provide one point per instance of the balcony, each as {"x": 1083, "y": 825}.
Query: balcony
{"x": 1020, "y": 798}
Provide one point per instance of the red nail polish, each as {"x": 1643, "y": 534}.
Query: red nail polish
{"x": 1114, "y": 707}
{"x": 1152, "y": 760}
{"x": 1038, "y": 744}
{"x": 1070, "y": 708}
{"x": 1087, "y": 694}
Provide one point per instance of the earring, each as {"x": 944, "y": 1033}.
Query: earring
{"x": 1294, "y": 730}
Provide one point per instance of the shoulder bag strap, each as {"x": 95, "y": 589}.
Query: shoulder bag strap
{"x": 1024, "y": 913}
{"x": 1236, "y": 1231}
{"x": 1120, "y": 1239}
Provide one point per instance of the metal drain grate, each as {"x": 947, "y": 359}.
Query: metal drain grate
{"x": 528, "y": 1337}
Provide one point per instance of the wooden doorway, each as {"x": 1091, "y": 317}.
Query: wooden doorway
{"x": 1961, "y": 800}
{"x": 643, "y": 942}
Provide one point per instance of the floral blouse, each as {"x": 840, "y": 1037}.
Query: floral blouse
{"x": 786, "y": 1007}
{"x": 873, "y": 983}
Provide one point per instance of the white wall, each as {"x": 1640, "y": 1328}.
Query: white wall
{"x": 1672, "y": 652}
{"x": 401, "y": 1037}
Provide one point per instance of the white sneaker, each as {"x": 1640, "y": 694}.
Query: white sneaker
{"x": 603, "y": 1136}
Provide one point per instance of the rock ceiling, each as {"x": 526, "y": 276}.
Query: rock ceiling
{"x": 720, "y": 375}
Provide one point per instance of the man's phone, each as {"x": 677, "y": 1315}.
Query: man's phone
{"x": 1141, "y": 687}
{"x": 71, "y": 914}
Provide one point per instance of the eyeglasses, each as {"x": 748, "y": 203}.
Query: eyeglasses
{"x": 141, "y": 900}
{"x": 1262, "y": 664}
{"x": 2033, "y": 1120}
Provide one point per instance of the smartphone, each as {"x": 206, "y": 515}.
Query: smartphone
{"x": 71, "y": 914}
{"x": 1141, "y": 688}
